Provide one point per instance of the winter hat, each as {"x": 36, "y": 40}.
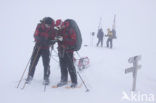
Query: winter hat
{"x": 47, "y": 20}
{"x": 58, "y": 23}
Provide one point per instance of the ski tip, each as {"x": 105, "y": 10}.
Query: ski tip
{"x": 79, "y": 86}
{"x": 54, "y": 86}
{"x": 67, "y": 87}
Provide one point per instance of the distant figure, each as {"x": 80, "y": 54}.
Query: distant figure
{"x": 100, "y": 36}
{"x": 110, "y": 36}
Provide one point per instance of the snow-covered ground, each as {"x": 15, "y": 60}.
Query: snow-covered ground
{"x": 105, "y": 76}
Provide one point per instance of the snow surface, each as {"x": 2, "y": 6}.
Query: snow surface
{"x": 135, "y": 24}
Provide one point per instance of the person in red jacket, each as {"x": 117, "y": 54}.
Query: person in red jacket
{"x": 66, "y": 37}
{"x": 43, "y": 35}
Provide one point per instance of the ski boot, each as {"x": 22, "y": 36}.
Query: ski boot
{"x": 29, "y": 79}
{"x": 61, "y": 84}
{"x": 46, "y": 81}
{"x": 73, "y": 85}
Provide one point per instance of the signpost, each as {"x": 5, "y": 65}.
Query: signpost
{"x": 133, "y": 69}
{"x": 92, "y": 36}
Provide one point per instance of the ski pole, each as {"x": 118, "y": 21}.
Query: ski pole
{"x": 25, "y": 70}
{"x": 32, "y": 65}
{"x": 87, "y": 90}
{"x": 78, "y": 54}
{"x": 23, "y": 73}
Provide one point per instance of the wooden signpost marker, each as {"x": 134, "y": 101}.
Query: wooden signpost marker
{"x": 133, "y": 69}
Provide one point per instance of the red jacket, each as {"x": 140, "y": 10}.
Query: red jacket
{"x": 69, "y": 39}
{"x": 43, "y": 33}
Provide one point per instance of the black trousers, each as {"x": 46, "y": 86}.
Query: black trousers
{"x": 67, "y": 65}
{"x": 37, "y": 53}
{"x": 109, "y": 42}
{"x": 100, "y": 40}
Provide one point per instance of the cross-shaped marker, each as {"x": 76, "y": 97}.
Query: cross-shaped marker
{"x": 133, "y": 69}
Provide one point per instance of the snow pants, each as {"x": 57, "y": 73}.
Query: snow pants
{"x": 100, "y": 40}
{"x": 67, "y": 65}
{"x": 37, "y": 53}
{"x": 109, "y": 42}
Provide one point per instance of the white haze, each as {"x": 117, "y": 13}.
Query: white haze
{"x": 135, "y": 25}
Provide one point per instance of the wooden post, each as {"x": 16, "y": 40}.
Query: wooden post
{"x": 134, "y": 75}
{"x": 133, "y": 69}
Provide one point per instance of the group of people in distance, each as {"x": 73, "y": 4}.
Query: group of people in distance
{"x": 111, "y": 34}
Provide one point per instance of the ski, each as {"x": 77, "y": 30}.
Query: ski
{"x": 67, "y": 86}
{"x": 78, "y": 86}
{"x": 55, "y": 86}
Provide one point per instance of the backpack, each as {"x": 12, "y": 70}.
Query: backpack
{"x": 73, "y": 25}
{"x": 114, "y": 33}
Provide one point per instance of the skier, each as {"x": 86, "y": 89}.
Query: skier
{"x": 43, "y": 34}
{"x": 109, "y": 42}
{"x": 100, "y": 36}
{"x": 66, "y": 39}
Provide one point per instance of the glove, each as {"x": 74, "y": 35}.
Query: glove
{"x": 56, "y": 28}
{"x": 59, "y": 38}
